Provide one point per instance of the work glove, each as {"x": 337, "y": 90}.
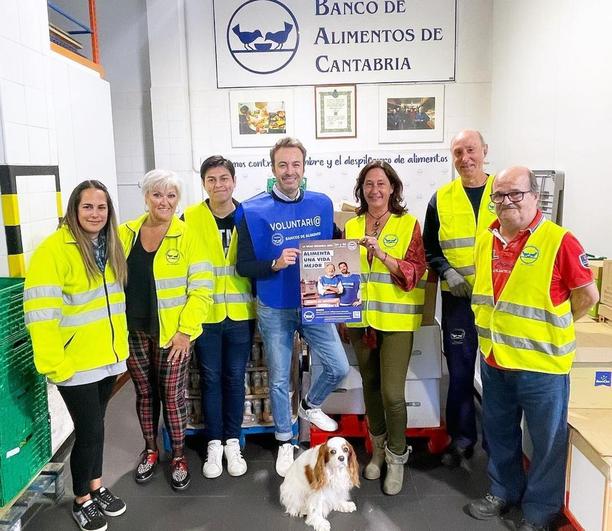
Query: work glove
{"x": 457, "y": 284}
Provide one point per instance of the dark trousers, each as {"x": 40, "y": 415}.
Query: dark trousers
{"x": 383, "y": 372}
{"x": 223, "y": 350}
{"x": 542, "y": 398}
{"x": 87, "y": 407}
{"x": 460, "y": 349}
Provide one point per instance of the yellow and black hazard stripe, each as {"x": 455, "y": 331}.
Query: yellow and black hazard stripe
{"x": 10, "y": 210}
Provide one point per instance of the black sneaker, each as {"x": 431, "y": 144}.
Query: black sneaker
{"x": 528, "y": 526}
{"x": 488, "y": 506}
{"x": 146, "y": 466}
{"x": 180, "y": 473}
{"x": 88, "y": 517}
{"x": 455, "y": 457}
{"x": 108, "y": 503}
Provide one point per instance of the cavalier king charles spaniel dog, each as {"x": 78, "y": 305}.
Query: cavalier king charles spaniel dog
{"x": 319, "y": 482}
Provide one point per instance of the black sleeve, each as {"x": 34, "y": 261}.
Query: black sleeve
{"x": 247, "y": 264}
{"x": 433, "y": 252}
{"x": 337, "y": 233}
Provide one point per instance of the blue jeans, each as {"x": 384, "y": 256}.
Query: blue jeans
{"x": 223, "y": 350}
{"x": 543, "y": 398}
{"x": 460, "y": 348}
{"x": 277, "y": 328}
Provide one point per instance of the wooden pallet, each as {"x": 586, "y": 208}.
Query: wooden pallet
{"x": 47, "y": 486}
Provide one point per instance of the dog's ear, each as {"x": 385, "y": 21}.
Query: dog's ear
{"x": 317, "y": 477}
{"x": 353, "y": 466}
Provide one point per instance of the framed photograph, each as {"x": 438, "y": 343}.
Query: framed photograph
{"x": 336, "y": 111}
{"x": 410, "y": 113}
{"x": 260, "y": 118}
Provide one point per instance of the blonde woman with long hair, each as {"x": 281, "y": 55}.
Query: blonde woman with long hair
{"x": 75, "y": 311}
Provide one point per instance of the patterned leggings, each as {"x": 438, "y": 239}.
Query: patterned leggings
{"x": 155, "y": 381}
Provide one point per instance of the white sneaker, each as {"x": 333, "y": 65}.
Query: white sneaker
{"x": 236, "y": 465}
{"x": 213, "y": 467}
{"x": 316, "y": 416}
{"x": 284, "y": 459}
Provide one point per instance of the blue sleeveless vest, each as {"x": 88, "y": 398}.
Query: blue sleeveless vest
{"x": 350, "y": 283}
{"x": 275, "y": 225}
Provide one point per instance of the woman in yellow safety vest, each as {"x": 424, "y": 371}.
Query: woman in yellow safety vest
{"x": 168, "y": 296}
{"x": 75, "y": 312}
{"x": 392, "y": 294}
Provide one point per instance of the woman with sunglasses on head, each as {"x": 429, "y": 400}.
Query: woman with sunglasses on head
{"x": 74, "y": 307}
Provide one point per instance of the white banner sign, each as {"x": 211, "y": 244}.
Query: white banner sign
{"x": 422, "y": 172}
{"x": 310, "y": 42}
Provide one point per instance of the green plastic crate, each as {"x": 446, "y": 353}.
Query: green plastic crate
{"x": 21, "y": 463}
{"x": 16, "y": 365}
{"x": 11, "y": 307}
{"x": 20, "y": 411}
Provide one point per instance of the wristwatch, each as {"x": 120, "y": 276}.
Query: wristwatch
{"x": 273, "y": 265}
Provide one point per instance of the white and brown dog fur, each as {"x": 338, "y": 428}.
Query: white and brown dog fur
{"x": 319, "y": 481}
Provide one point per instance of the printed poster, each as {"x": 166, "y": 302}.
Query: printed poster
{"x": 330, "y": 281}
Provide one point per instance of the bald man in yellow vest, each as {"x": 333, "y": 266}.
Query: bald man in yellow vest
{"x": 456, "y": 214}
{"x": 532, "y": 282}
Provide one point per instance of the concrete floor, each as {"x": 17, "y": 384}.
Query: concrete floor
{"x": 433, "y": 497}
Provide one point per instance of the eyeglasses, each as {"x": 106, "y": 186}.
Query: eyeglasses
{"x": 513, "y": 197}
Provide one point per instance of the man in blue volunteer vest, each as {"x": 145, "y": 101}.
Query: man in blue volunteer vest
{"x": 350, "y": 285}
{"x": 270, "y": 227}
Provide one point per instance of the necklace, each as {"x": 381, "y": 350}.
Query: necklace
{"x": 377, "y": 222}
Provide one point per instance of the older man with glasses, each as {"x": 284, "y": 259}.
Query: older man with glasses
{"x": 532, "y": 282}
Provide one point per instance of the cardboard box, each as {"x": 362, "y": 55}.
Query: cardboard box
{"x": 340, "y": 218}
{"x": 591, "y": 374}
{"x": 606, "y": 283}
{"x": 423, "y": 403}
{"x": 588, "y": 484}
{"x": 347, "y": 398}
{"x": 597, "y": 270}
{"x": 605, "y": 311}
{"x": 426, "y": 358}
{"x": 431, "y": 293}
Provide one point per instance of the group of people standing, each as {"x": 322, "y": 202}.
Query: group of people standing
{"x": 159, "y": 286}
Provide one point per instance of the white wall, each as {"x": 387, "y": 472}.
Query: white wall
{"x": 53, "y": 111}
{"x": 124, "y": 51}
{"x": 551, "y": 104}
{"x": 191, "y": 116}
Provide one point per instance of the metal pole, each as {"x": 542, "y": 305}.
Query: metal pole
{"x": 95, "y": 51}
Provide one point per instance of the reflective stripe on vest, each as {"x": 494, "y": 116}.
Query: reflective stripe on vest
{"x": 76, "y": 322}
{"x": 231, "y": 293}
{"x": 386, "y": 307}
{"x": 40, "y": 292}
{"x": 524, "y": 329}
{"x": 458, "y": 227}
{"x": 92, "y": 315}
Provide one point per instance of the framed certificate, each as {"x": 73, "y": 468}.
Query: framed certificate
{"x": 336, "y": 111}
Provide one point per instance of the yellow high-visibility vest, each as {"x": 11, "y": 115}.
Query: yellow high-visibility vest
{"x": 458, "y": 227}
{"x": 76, "y": 325}
{"x": 232, "y": 295}
{"x": 183, "y": 278}
{"x": 387, "y": 307}
{"x": 524, "y": 329}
